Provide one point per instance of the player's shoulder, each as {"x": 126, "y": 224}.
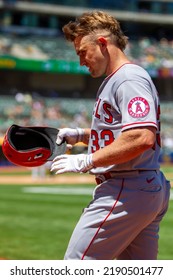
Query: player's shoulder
{"x": 134, "y": 71}
{"x": 129, "y": 72}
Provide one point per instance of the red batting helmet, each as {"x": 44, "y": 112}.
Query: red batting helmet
{"x": 31, "y": 146}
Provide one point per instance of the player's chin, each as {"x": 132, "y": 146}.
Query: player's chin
{"x": 95, "y": 74}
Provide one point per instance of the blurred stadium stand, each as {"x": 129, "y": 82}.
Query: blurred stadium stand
{"x": 41, "y": 80}
{"x": 148, "y": 52}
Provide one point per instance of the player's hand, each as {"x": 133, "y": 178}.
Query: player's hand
{"x": 71, "y": 136}
{"x": 72, "y": 163}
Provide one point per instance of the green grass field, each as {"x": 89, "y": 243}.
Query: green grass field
{"x": 37, "y": 226}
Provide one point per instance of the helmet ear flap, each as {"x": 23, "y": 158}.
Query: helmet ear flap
{"x": 31, "y": 146}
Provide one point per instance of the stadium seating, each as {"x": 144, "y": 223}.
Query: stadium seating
{"x": 23, "y": 109}
{"x": 147, "y": 52}
{"x": 24, "y": 41}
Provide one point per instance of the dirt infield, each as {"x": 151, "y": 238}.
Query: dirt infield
{"x": 61, "y": 179}
{"x": 16, "y": 175}
{"x": 5, "y": 178}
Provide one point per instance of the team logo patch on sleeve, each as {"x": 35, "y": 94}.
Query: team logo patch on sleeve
{"x": 138, "y": 107}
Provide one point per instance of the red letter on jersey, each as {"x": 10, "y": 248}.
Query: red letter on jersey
{"x": 107, "y": 108}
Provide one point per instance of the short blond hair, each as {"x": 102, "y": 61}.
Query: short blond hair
{"x": 99, "y": 23}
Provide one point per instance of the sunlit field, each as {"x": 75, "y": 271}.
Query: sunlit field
{"x": 36, "y": 220}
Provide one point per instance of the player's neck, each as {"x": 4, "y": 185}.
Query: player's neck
{"x": 115, "y": 64}
{"x": 118, "y": 66}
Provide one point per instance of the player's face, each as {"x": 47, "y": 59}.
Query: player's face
{"x": 91, "y": 56}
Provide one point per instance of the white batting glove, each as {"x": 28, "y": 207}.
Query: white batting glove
{"x": 71, "y": 135}
{"x": 72, "y": 163}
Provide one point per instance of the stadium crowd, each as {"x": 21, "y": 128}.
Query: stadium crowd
{"x": 145, "y": 51}
{"x": 154, "y": 53}
{"x": 25, "y": 110}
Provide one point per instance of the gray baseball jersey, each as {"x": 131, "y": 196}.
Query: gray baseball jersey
{"x": 126, "y": 99}
{"x": 122, "y": 221}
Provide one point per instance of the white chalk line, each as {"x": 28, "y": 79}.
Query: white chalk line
{"x": 58, "y": 190}
{"x": 64, "y": 191}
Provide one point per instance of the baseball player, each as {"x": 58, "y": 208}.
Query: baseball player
{"x": 131, "y": 197}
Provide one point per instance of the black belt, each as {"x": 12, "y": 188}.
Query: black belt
{"x": 103, "y": 177}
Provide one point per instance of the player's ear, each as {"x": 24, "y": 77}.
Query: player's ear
{"x": 102, "y": 42}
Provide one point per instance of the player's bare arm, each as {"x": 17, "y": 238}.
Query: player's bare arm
{"x": 129, "y": 145}
{"x": 86, "y": 135}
